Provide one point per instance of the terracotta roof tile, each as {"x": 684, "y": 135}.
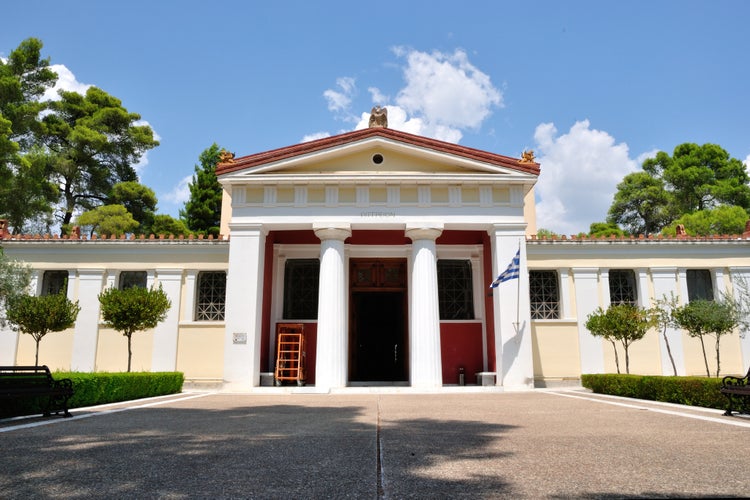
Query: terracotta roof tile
{"x": 303, "y": 148}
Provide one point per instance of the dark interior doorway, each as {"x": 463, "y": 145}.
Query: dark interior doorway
{"x": 378, "y": 342}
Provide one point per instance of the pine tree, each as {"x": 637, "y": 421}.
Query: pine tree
{"x": 202, "y": 213}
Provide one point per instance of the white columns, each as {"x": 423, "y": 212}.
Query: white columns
{"x": 665, "y": 285}
{"x": 244, "y": 298}
{"x": 86, "y": 336}
{"x": 164, "y": 357}
{"x": 424, "y": 316}
{"x": 587, "y": 300}
{"x": 331, "y": 361}
{"x": 740, "y": 277}
{"x": 513, "y": 353}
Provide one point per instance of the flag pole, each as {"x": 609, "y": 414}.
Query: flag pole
{"x": 518, "y": 291}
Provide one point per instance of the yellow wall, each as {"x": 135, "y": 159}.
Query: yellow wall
{"x": 55, "y": 350}
{"x": 555, "y": 350}
{"x": 200, "y": 351}
{"x": 112, "y": 351}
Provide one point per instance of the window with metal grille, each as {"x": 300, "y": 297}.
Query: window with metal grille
{"x": 129, "y": 279}
{"x": 54, "y": 282}
{"x": 622, "y": 289}
{"x": 301, "y": 288}
{"x": 455, "y": 290}
{"x": 699, "y": 285}
{"x": 212, "y": 294}
{"x": 544, "y": 295}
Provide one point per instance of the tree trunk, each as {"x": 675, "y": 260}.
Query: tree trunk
{"x": 627, "y": 359}
{"x": 130, "y": 352}
{"x": 705, "y": 359}
{"x": 669, "y": 351}
{"x": 36, "y": 358}
{"x": 717, "y": 356}
{"x": 617, "y": 360}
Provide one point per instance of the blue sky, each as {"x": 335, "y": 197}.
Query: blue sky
{"x": 593, "y": 87}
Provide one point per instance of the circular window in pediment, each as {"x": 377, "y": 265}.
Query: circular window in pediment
{"x": 377, "y": 159}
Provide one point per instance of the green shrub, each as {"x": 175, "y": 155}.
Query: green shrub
{"x": 693, "y": 391}
{"x": 90, "y": 389}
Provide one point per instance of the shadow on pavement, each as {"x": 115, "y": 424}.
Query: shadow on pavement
{"x": 273, "y": 451}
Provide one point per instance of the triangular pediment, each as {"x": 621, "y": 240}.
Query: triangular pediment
{"x": 376, "y": 153}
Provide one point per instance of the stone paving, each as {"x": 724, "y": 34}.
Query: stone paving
{"x": 538, "y": 444}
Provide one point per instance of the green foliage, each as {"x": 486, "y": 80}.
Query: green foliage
{"x": 99, "y": 388}
{"x": 202, "y": 212}
{"x": 623, "y": 323}
{"x": 708, "y": 317}
{"x": 693, "y": 391}
{"x": 90, "y": 389}
{"x": 94, "y": 143}
{"x": 542, "y": 233}
{"x": 694, "y": 178}
{"x": 720, "y": 220}
{"x": 133, "y": 309}
{"x": 166, "y": 224}
{"x": 605, "y": 229}
{"x": 641, "y": 204}
{"x": 24, "y": 77}
{"x": 15, "y": 277}
{"x": 25, "y": 188}
{"x": 108, "y": 220}
{"x": 138, "y": 199}
{"x": 39, "y": 315}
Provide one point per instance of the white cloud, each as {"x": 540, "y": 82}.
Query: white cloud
{"x": 314, "y": 136}
{"x": 377, "y": 96}
{"x": 580, "y": 171}
{"x": 340, "y": 100}
{"x": 180, "y": 193}
{"x": 645, "y": 156}
{"x": 447, "y": 90}
{"x": 747, "y": 163}
{"x": 443, "y": 95}
{"x": 66, "y": 80}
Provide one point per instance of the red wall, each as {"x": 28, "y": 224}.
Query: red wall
{"x": 461, "y": 345}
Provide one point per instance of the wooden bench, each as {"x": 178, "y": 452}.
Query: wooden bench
{"x": 737, "y": 391}
{"x": 21, "y": 382}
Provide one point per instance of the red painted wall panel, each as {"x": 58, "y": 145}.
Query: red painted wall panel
{"x": 461, "y": 346}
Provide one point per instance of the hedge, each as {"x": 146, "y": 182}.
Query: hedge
{"x": 693, "y": 391}
{"x": 90, "y": 389}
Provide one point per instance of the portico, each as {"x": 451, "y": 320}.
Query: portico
{"x": 322, "y": 210}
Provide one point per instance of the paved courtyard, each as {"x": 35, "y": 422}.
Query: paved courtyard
{"x": 540, "y": 444}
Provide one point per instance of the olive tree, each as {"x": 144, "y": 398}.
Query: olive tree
{"x": 133, "y": 310}
{"x": 39, "y": 315}
{"x": 662, "y": 314}
{"x": 708, "y": 317}
{"x": 624, "y": 323}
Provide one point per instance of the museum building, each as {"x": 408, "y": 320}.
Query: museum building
{"x": 366, "y": 259}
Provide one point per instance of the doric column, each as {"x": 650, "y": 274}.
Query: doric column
{"x": 86, "y": 336}
{"x": 424, "y": 316}
{"x": 244, "y": 298}
{"x": 164, "y": 355}
{"x": 333, "y": 341}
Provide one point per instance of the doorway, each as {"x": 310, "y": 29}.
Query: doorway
{"x": 378, "y": 325}
{"x": 379, "y": 350}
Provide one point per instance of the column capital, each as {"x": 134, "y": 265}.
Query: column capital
{"x": 424, "y": 231}
{"x": 332, "y": 231}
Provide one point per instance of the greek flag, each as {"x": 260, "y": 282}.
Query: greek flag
{"x": 511, "y": 272}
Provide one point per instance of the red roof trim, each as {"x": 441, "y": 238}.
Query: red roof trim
{"x": 358, "y": 135}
